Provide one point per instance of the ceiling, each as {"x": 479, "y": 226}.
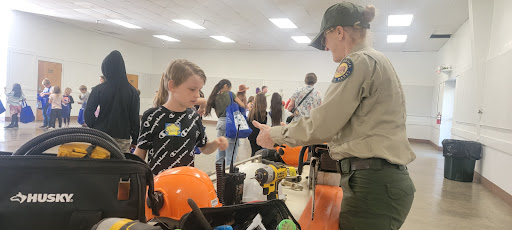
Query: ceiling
{"x": 246, "y": 21}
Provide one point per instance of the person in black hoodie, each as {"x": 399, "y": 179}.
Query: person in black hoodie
{"x": 119, "y": 103}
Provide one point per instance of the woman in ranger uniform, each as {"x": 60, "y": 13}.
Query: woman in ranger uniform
{"x": 362, "y": 117}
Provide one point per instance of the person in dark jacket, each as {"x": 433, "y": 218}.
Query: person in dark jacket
{"x": 119, "y": 102}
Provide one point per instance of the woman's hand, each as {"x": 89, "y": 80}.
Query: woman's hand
{"x": 263, "y": 138}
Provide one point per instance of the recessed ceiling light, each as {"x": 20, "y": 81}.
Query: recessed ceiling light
{"x": 283, "y": 23}
{"x": 397, "y": 38}
{"x": 167, "y": 38}
{"x": 85, "y": 4}
{"x": 125, "y": 24}
{"x": 301, "y": 39}
{"x": 222, "y": 39}
{"x": 189, "y": 24}
{"x": 400, "y": 20}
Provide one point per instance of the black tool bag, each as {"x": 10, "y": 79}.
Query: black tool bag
{"x": 42, "y": 191}
{"x": 272, "y": 213}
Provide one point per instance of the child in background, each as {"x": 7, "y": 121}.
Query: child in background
{"x": 250, "y": 102}
{"x": 171, "y": 131}
{"x": 258, "y": 113}
{"x": 14, "y": 99}
{"x": 67, "y": 100}
{"x": 55, "y": 100}
{"x": 48, "y": 89}
{"x": 84, "y": 96}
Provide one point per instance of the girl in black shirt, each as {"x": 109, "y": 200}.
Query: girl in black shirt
{"x": 171, "y": 131}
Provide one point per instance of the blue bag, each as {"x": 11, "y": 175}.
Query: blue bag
{"x": 236, "y": 116}
{"x": 66, "y": 111}
{"x": 41, "y": 101}
{"x": 2, "y": 108}
{"x": 81, "y": 117}
{"x": 26, "y": 115}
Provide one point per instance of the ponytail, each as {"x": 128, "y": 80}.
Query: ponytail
{"x": 162, "y": 95}
{"x": 216, "y": 90}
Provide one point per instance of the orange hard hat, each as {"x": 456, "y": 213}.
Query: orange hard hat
{"x": 177, "y": 185}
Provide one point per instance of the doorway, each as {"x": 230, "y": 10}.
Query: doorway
{"x": 447, "y": 110}
{"x": 52, "y": 71}
{"x": 133, "y": 79}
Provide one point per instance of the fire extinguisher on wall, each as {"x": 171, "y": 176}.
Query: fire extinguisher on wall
{"x": 438, "y": 118}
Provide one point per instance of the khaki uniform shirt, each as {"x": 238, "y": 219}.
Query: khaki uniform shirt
{"x": 362, "y": 114}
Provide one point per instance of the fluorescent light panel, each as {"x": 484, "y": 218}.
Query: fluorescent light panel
{"x": 167, "y": 38}
{"x": 301, "y": 39}
{"x": 397, "y": 38}
{"x": 189, "y": 24}
{"x": 222, "y": 39}
{"x": 283, "y": 23}
{"x": 400, "y": 20}
{"x": 125, "y": 24}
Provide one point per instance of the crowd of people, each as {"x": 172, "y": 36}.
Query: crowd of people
{"x": 170, "y": 133}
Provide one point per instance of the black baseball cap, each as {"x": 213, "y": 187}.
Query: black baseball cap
{"x": 339, "y": 14}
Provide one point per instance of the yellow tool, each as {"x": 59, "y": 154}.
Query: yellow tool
{"x": 80, "y": 150}
{"x": 121, "y": 223}
{"x": 269, "y": 178}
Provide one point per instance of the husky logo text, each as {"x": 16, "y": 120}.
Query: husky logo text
{"x": 43, "y": 198}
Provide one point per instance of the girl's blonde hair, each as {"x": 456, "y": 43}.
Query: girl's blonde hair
{"x": 82, "y": 87}
{"x": 45, "y": 81}
{"x": 56, "y": 89}
{"x": 67, "y": 90}
{"x": 178, "y": 71}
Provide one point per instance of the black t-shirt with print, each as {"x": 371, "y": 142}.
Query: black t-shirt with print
{"x": 170, "y": 137}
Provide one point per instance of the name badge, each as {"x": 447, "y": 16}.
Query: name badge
{"x": 172, "y": 129}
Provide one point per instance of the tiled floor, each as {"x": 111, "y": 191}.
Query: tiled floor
{"x": 439, "y": 203}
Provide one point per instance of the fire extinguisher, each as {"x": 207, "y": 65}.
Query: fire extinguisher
{"x": 438, "y": 118}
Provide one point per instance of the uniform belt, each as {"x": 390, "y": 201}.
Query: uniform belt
{"x": 353, "y": 164}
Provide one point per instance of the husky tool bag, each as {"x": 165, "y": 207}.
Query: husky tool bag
{"x": 241, "y": 216}
{"x": 42, "y": 191}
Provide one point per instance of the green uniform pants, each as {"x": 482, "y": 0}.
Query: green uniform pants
{"x": 375, "y": 199}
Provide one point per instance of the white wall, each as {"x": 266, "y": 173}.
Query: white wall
{"x": 481, "y": 54}
{"x": 81, "y": 52}
{"x": 416, "y": 72}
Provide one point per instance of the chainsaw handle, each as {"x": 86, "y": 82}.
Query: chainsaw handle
{"x": 301, "y": 158}
{"x": 199, "y": 214}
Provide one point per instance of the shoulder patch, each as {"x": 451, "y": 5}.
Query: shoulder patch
{"x": 343, "y": 71}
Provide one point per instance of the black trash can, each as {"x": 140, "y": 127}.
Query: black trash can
{"x": 459, "y": 159}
